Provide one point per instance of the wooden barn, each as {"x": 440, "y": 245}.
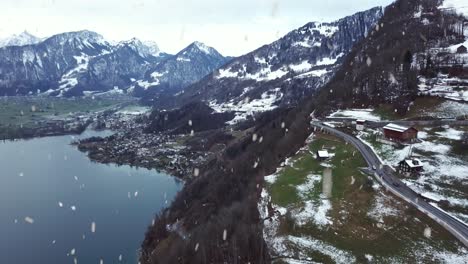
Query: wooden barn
{"x": 410, "y": 165}
{"x": 400, "y": 133}
{"x": 462, "y": 49}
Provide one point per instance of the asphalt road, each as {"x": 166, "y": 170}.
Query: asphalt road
{"x": 386, "y": 176}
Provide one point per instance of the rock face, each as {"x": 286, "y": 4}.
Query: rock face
{"x": 179, "y": 71}
{"x": 50, "y": 65}
{"x": 83, "y": 63}
{"x": 285, "y": 70}
{"x": 23, "y": 39}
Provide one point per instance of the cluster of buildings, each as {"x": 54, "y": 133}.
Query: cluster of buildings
{"x": 399, "y": 134}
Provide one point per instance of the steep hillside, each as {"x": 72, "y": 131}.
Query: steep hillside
{"x": 284, "y": 71}
{"x": 179, "y": 71}
{"x": 213, "y": 220}
{"x": 384, "y": 68}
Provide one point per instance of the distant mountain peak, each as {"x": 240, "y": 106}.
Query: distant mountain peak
{"x": 22, "y": 39}
{"x": 199, "y": 47}
{"x": 143, "y": 48}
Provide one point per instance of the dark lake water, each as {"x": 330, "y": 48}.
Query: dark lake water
{"x": 50, "y": 183}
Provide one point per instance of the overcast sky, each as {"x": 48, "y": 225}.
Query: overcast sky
{"x": 232, "y": 27}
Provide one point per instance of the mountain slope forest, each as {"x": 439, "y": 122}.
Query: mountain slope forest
{"x": 214, "y": 219}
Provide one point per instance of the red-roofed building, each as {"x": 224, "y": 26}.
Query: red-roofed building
{"x": 400, "y": 133}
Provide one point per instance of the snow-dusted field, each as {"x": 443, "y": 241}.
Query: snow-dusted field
{"x": 445, "y": 172}
{"x": 301, "y": 230}
{"x": 365, "y": 114}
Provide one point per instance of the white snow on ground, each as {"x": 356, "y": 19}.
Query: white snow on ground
{"x": 441, "y": 168}
{"x": 329, "y": 61}
{"x": 146, "y": 84}
{"x": 156, "y": 74}
{"x": 316, "y": 73}
{"x": 451, "y": 133}
{"x": 246, "y": 108}
{"x": 183, "y": 59}
{"x": 453, "y": 48}
{"x": 301, "y": 67}
{"x": 309, "y": 185}
{"x": 278, "y": 244}
{"x": 461, "y": 6}
{"x": 227, "y": 73}
{"x": 380, "y": 208}
{"x": 450, "y": 88}
{"x": 450, "y": 109}
{"x": 264, "y": 74}
{"x": 69, "y": 79}
{"x": 315, "y": 211}
{"x": 325, "y": 30}
{"x": 366, "y": 114}
{"x": 339, "y": 256}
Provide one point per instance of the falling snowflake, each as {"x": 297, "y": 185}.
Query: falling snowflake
{"x": 60, "y": 204}
{"x": 190, "y": 123}
{"x": 260, "y": 140}
{"x": 192, "y": 133}
{"x": 283, "y": 124}
{"x": 72, "y": 252}
{"x": 33, "y": 108}
{"x": 21, "y": 174}
{"x": 224, "y": 234}
{"x": 369, "y": 61}
{"x": 196, "y": 172}
{"x": 254, "y": 137}
{"x": 135, "y": 194}
{"x": 29, "y": 220}
{"x": 93, "y": 227}
{"x": 255, "y": 165}
{"x": 73, "y": 208}
{"x": 120, "y": 257}
{"x": 427, "y": 232}
{"x": 196, "y": 247}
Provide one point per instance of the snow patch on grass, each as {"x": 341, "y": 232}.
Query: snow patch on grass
{"x": 366, "y": 114}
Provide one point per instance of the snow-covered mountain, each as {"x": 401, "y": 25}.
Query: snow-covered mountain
{"x": 144, "y": 49}
{"x": 177, "y": 72}
{"x": 414, "y": 51}
{"x": 84, "y": 63}
{"x": 22, "y": 39}
{"x": 284, "y": 71}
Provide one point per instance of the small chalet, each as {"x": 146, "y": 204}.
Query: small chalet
{"x": 400, "y": 133}
{"x": 323, "y": 155}
{"x": 462, "y": 49}
{"x": 360, "y": 124}
{"x": 410, "y": 165}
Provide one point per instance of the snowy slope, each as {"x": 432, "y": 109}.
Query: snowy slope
{"x": 22, "y": 39}
{"x": 283, "y": 72}
{"x": 460, "y": 6}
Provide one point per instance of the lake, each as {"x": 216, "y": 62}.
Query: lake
{"x": 51, "y": 194}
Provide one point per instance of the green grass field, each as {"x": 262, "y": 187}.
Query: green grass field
{"x": 25, "y": 111}
{"x": 399, "y": 239}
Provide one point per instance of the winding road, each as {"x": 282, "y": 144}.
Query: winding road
{"x": 386, "y": 176}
